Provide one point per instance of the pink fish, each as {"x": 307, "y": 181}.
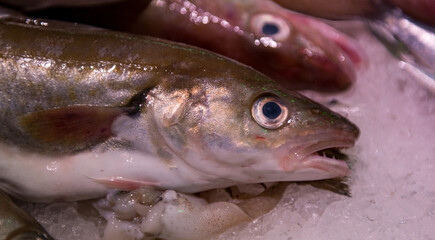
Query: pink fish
{"x": 297, "y": 51}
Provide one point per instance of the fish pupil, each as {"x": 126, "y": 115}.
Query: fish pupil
{"x": 270, "y": 29}
{"x": 271, "y": 110}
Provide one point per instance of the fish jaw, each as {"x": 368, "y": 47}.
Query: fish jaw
{"x": 306, "y": 162}
{"x": 323, "y": 166}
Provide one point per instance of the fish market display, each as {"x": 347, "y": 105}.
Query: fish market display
{"x": 15, "y": 224}
{"x": 85, "y": 110}
{"x": 391, "y": 181}
{"x": 297, "y": 51}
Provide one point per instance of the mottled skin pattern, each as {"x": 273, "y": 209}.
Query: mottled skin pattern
{"x": 312, "y": 56}
{"x": 193, "y": 131}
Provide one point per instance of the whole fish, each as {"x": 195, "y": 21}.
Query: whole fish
{"x": 15, "y": 224}
{"x": 86, "y": 110}
{"x": 297, "y": 51}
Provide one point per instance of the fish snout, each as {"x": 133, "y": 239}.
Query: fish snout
{"x": 315, "y": 152}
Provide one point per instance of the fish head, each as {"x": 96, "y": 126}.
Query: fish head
{"x": 247, "y": 128}
{"x": 299, "y": 51}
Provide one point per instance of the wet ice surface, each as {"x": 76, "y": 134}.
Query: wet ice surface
{"x": 68, "y": 221}
{"x": 392, "y": 179}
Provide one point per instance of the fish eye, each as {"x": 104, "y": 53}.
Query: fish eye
{"x": 270, "y": 26}
{"x": 269, "y": 111}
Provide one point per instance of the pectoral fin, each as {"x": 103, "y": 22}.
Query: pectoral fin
{"x": 73, "y": 127}
{"x": 125, "y": 184}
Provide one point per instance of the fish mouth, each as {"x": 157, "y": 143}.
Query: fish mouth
{"x": 322, "y": 160}
{"x": 330, "y": 160}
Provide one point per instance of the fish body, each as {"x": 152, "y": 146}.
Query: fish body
{"x": 410, "y": 41}
{"x": 86, "y": 110}
{"x": 15, "y": 224}
{"x": 335, "y": 9}
{"x": 297, "y": 51}
{"x": 423, "y": 10}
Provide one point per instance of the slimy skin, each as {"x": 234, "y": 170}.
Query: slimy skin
{"x": 85, "y": 110}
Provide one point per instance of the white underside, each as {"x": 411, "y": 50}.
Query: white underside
{"x": 39, "y": 178}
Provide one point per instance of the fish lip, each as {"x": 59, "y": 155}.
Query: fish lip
{"x": 323, "y": 145}
{"x": 336, "y": 167}
{"x": 309, "y": 159}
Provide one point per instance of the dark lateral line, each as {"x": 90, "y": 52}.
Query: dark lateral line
{"x": 135, "y": 104}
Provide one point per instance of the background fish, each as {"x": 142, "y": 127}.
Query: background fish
{"x": 85, "y": 111}
{"x": 423, "y": 10}
{"x": 297, "y": 51}
{"x": 409, "y": 41}
{"x": 332, "y": 9}
{"x": 409, "y": 38}
{"x": 15, "y": 224}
